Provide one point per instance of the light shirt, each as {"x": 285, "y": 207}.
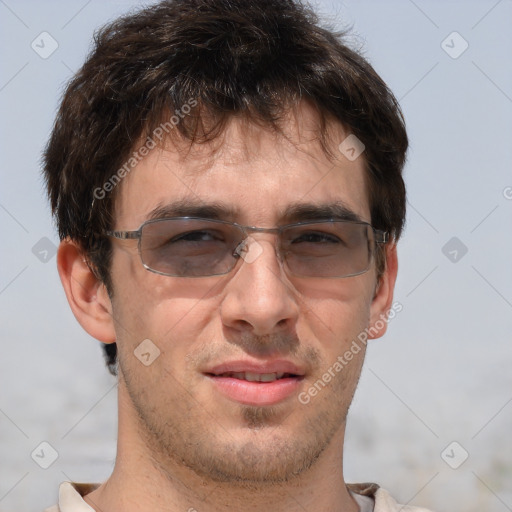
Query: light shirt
{"x": 370, "y": 498}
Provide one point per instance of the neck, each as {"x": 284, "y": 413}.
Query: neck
{"x": 140, "y": 481}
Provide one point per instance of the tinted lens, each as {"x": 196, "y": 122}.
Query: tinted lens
{"x": 188, "y": 247}
{"x": 328, "y": 249}
{"x": 195, "y": 248}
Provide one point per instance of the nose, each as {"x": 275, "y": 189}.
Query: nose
{"x": 259, "y": 298}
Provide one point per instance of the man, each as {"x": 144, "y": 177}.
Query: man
{"x": 226, "y": 177}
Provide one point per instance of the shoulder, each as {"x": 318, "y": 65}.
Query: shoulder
{"x": 71, "y": 497}
{"x": 385, "y": 503}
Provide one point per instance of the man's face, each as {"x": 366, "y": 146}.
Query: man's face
{"x": 188, "y": 408}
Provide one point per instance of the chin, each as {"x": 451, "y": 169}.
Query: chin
{"x": 251, "y": 465}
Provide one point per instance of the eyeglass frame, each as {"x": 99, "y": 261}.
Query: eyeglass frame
{"x": 380, "y": 237}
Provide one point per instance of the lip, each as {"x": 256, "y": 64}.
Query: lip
{"x": 256, "y": 393}
{"x": 276, "y": 366}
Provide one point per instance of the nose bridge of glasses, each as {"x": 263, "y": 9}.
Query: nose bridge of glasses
{"x": 260, "y": 234}
{"x": 252, "y": 245}
{"x": 256, "y": 229}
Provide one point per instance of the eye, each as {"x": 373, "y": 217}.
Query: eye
{"x": 317, "y": 237}
{"x": 196, "y": 236}
{"x": 197, "y": 240}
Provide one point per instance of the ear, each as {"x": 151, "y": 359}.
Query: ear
{"x": 86, "y": 294}
{"x": 383, "y": 298}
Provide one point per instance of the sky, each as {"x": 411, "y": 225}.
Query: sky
{"x": 433, "y": 411}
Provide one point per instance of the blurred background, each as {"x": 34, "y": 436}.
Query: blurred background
{"x": 432, "y": 418}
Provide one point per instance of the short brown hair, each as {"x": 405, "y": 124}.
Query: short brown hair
{"x": 232, "y": 57}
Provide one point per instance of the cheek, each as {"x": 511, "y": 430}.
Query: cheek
{"x": 140, "y": 299}
{"x": 346, "y": 324}
{"x": 173, "y": 318}
{"x": 339, "y": 309}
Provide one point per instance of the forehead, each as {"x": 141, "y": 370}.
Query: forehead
{"x": 250, "y": 175}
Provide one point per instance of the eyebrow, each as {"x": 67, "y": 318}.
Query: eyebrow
{"x": 337, "y": 210}
{"x": 294, "y": 212}
{"x": 188, "y": 208}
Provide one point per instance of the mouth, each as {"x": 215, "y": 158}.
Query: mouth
{"x": 255, "y": 377}
{"x": 256, "y": 384}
